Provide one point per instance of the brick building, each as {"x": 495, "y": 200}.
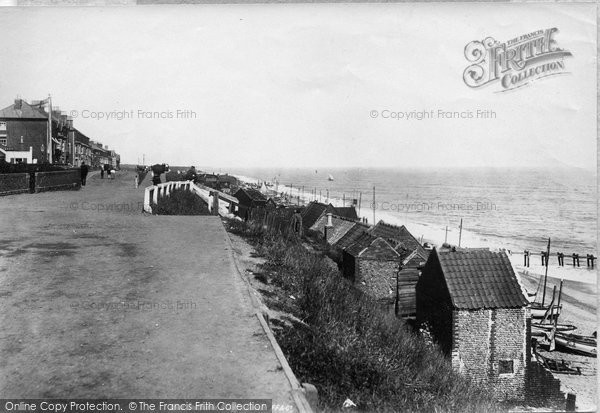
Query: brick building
{"x": 24, "y": 137}
{"x": 83, "y": 149}
{"x": 24, "y": 128}
{"x": 372, "y": 265}
{"x": 475, "y": 308}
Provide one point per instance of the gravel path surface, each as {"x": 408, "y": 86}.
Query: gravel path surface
{"x": 98, "y": 300}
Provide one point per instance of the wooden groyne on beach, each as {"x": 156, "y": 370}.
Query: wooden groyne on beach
{"x": 544, "y": 256}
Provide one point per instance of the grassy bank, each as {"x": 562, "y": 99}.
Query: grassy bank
{"x": 346, "y": 345}
{"x": 180, "y": 202}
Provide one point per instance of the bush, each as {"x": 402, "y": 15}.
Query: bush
{"x": 180, "y": 202}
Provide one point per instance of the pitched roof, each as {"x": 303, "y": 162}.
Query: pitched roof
{"x": 351, "y": 236}
{"x": 347, "y": 212}
{"x": 363, "y": 241}
{"x": 254, "y": 194}
{"x": 26, "y": 112}
{"x": 340, "y": 227}
{"x": 370, "y": 247}
{"x": 414, "y": 259}
{"x": 481, "y": 279}
{"x": 397, "y": 233}
{"x": 313, "y": 211}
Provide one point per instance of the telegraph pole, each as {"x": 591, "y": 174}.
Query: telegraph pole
{"x": 374, "y": 205}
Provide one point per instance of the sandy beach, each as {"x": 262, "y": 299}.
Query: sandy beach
{"x": 579, "y": 301}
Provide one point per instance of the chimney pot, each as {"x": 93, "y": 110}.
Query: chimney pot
{"x": 329, "y": 221}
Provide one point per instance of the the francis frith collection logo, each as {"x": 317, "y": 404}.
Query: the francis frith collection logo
{"x": 516, "y": 62}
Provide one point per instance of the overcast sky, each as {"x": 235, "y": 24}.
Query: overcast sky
{"x": 295, "y": 85}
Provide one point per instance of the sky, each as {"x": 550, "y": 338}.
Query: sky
{"x": 304, "y": 84}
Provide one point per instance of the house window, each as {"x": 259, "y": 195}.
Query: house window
{"x": 506, "y": 367}
{"x": 3, "y": 141}
{"x": 2, "y": 126}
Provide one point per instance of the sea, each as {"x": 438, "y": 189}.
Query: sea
{"x": 513, "y": 208}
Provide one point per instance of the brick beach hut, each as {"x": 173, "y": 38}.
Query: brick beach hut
{"x": 477, "y": 312}
{"x": 372, "y": 265}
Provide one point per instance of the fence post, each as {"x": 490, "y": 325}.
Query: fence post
{"x": 155, "y": 194}
{"x": 147, "y": 207}
{"x": 215, "y": 202}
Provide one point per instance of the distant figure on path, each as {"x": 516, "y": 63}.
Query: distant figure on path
{"x": 137, "y": 180}
{"x": 101, "y": 173}
{"x": 84, "y": 172}
{"x": 157, "y": 170}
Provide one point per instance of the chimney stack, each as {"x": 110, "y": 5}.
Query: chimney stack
{"x": 18, "y": 103}
{"x": 328, "y": 227}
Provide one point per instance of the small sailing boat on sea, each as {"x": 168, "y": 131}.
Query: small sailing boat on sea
{"x": 330, "y": 177}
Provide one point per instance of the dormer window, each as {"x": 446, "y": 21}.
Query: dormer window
{"x": 2, "y": 126}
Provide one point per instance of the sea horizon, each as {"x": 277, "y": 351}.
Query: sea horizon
{"x": 515, "y": 208}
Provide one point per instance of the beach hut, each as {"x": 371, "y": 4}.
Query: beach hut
{"x": 332, "y": 227}
{"x": 313, "y": 211}
{"x": 372, "y": 264}
{"x": 397, "y": 235}
{"x": 473, "y": 304}
{"x": 249, "y": 200}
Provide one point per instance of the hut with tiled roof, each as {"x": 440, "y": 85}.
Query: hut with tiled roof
{"x": 397, "y": 235}
{"x": 313, "y": 211}
{"x": 347, "y": 212}
{"x": 332, "y": 227}
{"x": 372, "y": 265}
{"x": 474, "y": 306}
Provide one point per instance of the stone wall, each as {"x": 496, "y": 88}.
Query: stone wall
{"x": 485, "y": 342}
{"x": 377, "y": 279}
{"x": 14, "y": 183}
{"x": 51, "y": 181}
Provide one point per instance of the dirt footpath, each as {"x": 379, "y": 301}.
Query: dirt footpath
{"x": 98, "y": 300}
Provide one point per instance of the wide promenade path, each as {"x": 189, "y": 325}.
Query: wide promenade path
{"x": 98, "y": 300}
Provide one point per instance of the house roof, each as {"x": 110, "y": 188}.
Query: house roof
{"x": 481, "y": 279}
{"x": 340, "y": 227}
{"x": 397, "y": 233}
{"x": 254, "y": 194}
{"x": 415, "y": 258}
{"x": 370, "y": 247}
{"x": 313, "y": 211}
{"x": 351, "y": 236}
{"x": 26, "y": 112}
{"x": 347, "y": 212}
{"x": 227, "y": 178}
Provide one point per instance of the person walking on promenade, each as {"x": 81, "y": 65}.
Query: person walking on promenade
{"x": 101, "y": 173}
{"x": 84, "y": 171}
{"x": 137, "y": 179}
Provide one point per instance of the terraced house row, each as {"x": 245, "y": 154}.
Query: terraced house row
{"x": 36, "y": 133}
